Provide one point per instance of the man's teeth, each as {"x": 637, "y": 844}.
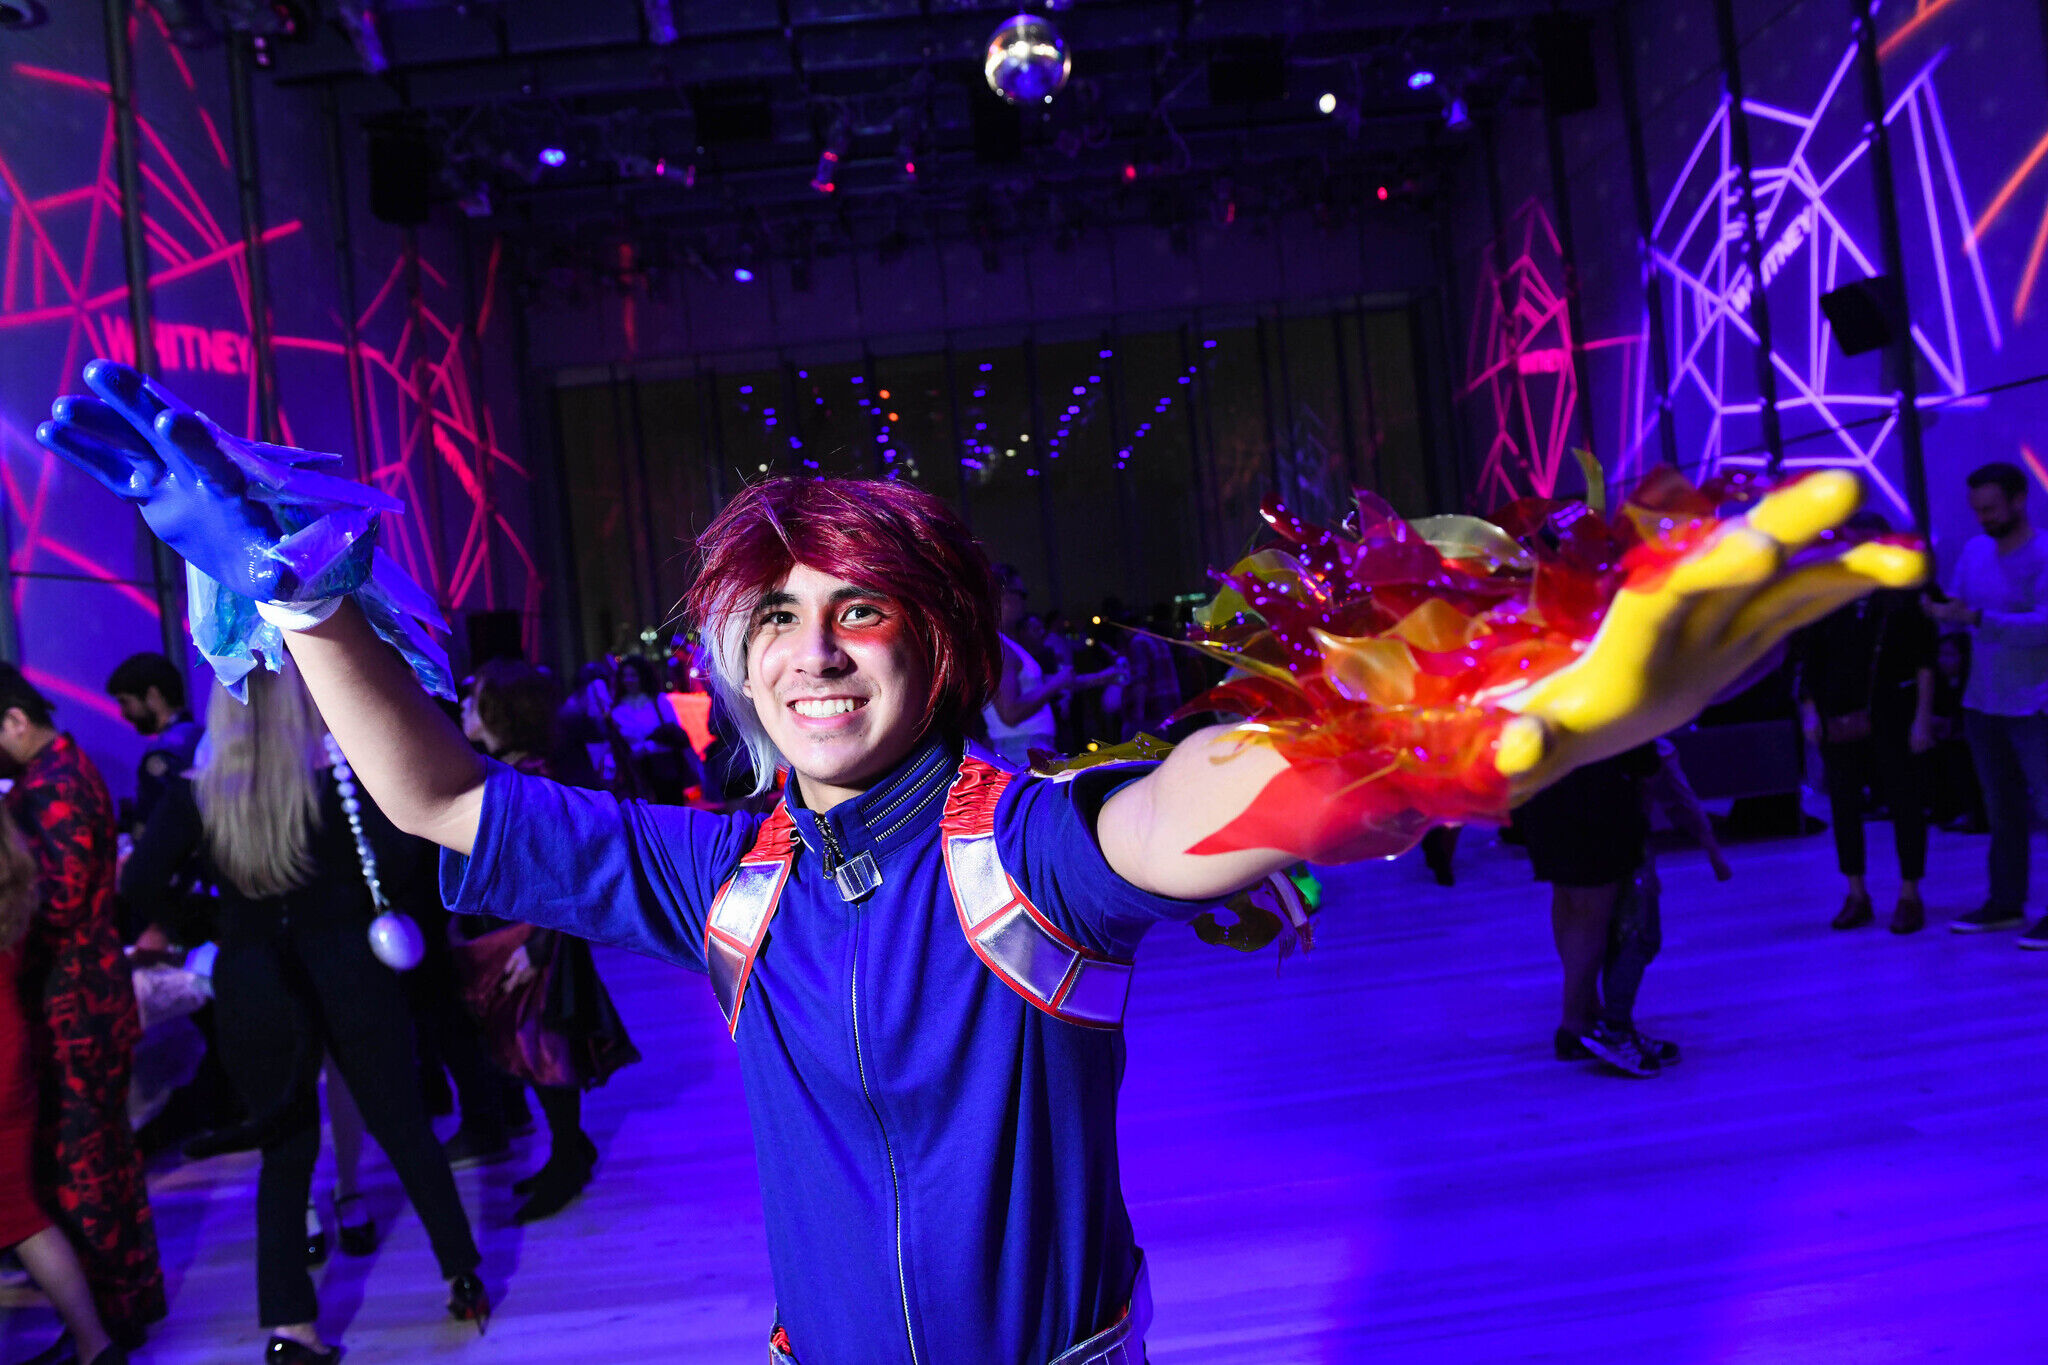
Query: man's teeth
{"x": 819, "y": 710}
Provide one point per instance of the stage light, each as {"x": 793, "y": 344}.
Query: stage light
{"x": 1455, "y": 113}
{"x": 743, "y": 275}
{"x": 1382, "y": 192}
{"x": 1421, "y": 79}
{"x": 1328, "y": 103}
{"x": 837, "y": 141}
{"x": 553, "y": 156}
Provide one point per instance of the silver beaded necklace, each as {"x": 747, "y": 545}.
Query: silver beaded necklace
{"x": 352, "y": 807}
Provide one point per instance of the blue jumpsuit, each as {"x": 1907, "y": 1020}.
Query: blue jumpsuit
{"x": 938, "y": 1157}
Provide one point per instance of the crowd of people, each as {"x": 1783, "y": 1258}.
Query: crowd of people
{"x": 251, "y": 841}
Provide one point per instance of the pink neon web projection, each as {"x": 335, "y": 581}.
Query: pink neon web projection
{"x": 1518, "y": 361}
{"x": 50, "y": 298}
{"x": 1697, "y": 259}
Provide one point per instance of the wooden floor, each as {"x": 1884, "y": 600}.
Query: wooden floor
{"x": 1372, "y": 1157}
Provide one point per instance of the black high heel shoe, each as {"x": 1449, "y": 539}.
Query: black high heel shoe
{"x": 357, "y": 1239}
{"x": 285, "y": 1351}
{"x": 467, "y": 1302}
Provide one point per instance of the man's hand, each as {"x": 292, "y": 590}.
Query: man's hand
{"x": 251, "y": 516}
{"x": 1662, "y": 655}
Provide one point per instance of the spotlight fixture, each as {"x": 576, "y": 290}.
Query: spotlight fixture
{"x": 553, "y": 157}
{"x": 742, "y": 275}
{"x": 837, "y": 142}
{"x": 1421, "y": 79}
{"x": 1328, "y": 103}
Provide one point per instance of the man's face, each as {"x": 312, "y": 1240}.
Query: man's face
{"x": 837, "y": 680}
{"x": 20, "y": 741}
{"x": 1997, "y": 513}
{"x": 137, "y": 713}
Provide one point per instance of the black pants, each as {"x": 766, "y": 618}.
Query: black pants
{"x": 1896, "y": 776}
{"x": 281, "y": 1001}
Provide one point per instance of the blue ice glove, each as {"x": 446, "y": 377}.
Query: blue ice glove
{"x": 253, "y": 522}
{"x": 250, "y": 516}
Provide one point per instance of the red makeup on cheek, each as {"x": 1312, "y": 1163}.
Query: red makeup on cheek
{"x": 884, "y": 632}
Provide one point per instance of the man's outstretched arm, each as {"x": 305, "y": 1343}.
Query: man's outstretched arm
{"x": 1665, "y": 650}
{"x": 415, "y": 764}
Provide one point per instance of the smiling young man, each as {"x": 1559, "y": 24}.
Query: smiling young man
{"x": 922, "y": 956}
{"x": 922, "y": 959}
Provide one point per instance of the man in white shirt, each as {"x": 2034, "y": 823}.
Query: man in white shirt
{"x": 2000, "y": 595}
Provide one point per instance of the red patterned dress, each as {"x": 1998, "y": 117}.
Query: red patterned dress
{"x": 83, "y": 1028}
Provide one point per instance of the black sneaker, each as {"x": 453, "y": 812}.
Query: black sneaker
{"x": 1987, "y": 920}
{"x": 1661, "y": 1050}
{"x": 1568, "y": 1047}
{"x": 469, "y": 1148}
{"x": 1622, "y": 1051}
{"x": 2036, "y": 937}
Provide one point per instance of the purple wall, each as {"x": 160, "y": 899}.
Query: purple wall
{"x": 1967, "y": 85}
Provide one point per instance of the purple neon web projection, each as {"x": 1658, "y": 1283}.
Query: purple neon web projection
{"x": 1696, "y": 258}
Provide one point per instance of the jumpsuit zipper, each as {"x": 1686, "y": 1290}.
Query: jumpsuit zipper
{"x": 833, "y": 857}
{"x": 888, "y": 1150}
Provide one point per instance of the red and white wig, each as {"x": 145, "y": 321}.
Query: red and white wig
{"x": 892, "y": 538}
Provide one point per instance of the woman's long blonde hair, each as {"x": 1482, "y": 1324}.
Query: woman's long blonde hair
{"x": 259, "y": 793}
{"x": 19, "y": 892}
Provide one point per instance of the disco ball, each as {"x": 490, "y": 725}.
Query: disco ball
{"x": 1027, "y": 60}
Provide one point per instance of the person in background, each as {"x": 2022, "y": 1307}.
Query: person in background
{"x": 295, "y": 979}
{"x": 1020, "y": 716}
{"x": 1587, "y": 836}
{"x": 151, "y": 693}
{"x": 1153, "y": 693}
{"x": 636, "y": 711}
{"x": 655, "y": 748}
{"x": 2000, "y": 595}
{"x": 81, "y": 1007}
{"x": 41, "y": 1246}
{"x": 1866, "y": 697}
{"x": 586, "y": 721}
{"x": 516, "y": 977}
{"x": 1636, "y": 935}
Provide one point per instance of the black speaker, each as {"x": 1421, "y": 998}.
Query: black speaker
{"x": 492, "y": 635}
{"x": 1565, "y": 47}
{"x": 998, "y": 127}
{"x": 1866, "y": 314}
{"x": 401, "y": 177}
{"x": 731, "y": 112}
{"x": 1255, "y": 72}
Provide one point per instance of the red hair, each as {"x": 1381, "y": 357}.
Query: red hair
{"x": 892, "y": 537}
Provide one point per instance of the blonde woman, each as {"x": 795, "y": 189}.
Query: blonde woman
{"x": 49, "y": 1259}
{"x": 296, "y": 978}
